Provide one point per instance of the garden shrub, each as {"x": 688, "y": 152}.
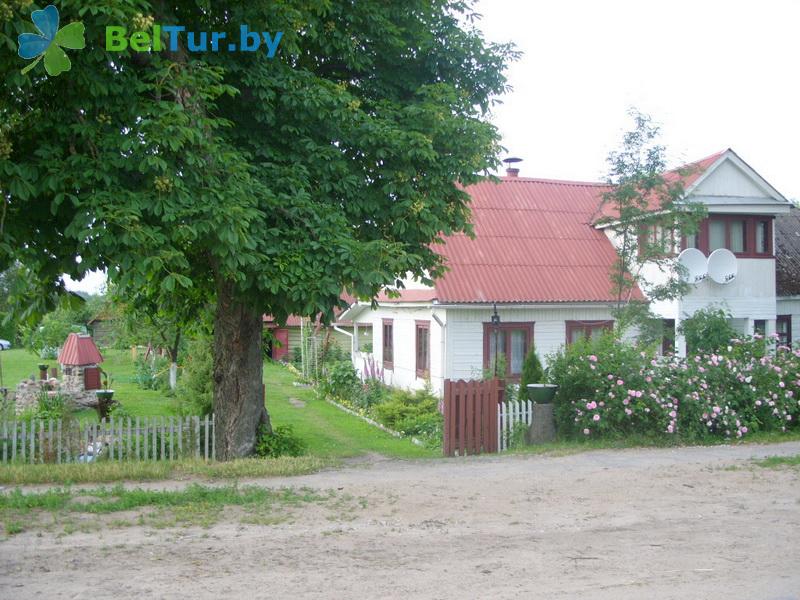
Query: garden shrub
{"x": 341, "y": 381}
{"x": 532, "y": 372}
{"x": 152, "y": 373}
{"x": 194, "y": 394}
{"x": 410, "y": 413}
{"x": 609, "y": 388}
{"x": 404, "y": 406}
{"x": 708, "y": 330}
{"x": 283, "y": 441}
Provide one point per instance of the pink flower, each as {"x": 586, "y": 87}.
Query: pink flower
{"x": 625, "y": 401}
{"x": 593, "y": 358}
{"x": 586, "y": 432}
{"x": 670, "y": 429}
{"x": 744, "y": 429}
{"x": 596, "y": 418}
{"x": 620, "y": 382}
{"x": 628, "y": 412}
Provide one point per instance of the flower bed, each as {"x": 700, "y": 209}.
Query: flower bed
{"x": 412, "y": 414}
{"x": 610, "y": 388}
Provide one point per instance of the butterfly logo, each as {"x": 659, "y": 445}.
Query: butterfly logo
{"x": 49, "y": 45}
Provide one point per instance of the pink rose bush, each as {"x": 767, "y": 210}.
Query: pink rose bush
{"x": 611, "y": 388}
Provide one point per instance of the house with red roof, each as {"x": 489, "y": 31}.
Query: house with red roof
{"x": 536, "y": 274}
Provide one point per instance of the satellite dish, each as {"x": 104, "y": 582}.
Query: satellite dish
{"x": 694, "y": 264}
{"x": 722, "y": 266}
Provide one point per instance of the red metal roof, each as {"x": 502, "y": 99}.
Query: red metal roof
{"x": 533, "y": 243}
{"x": 423, "y": 295}
{"x": 79, "y": 350}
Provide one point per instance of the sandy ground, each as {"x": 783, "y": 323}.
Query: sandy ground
{"x": 649, "y": 524}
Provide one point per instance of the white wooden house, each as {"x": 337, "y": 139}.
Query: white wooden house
{"x": 540, "y": 263}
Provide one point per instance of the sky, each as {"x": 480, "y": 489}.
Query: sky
{"x": 713, "y": 74}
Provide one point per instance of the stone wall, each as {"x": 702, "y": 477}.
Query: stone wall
{"x": 28, "y": 392}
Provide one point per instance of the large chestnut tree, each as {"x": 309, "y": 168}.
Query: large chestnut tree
{"x": 264, "y": 185}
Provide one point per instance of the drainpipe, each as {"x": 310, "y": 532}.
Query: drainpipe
{"x": 442, "y": 346}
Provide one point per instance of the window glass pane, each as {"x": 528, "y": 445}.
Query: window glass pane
{"x": 737, "y": 236}
{"x": 422, "y": 348}
{"x": 387, "y": 342}
{"x": 716, "y": 235}
{"x": 500, "y": 340}
{"x": 760, "y": 326}
{"x": 761, "y": 237}
{"x": 518, "y": 343}
{"x": 576, "y": 334}
{"x": 596, "y": 331}
{"x": 691, "y": 240}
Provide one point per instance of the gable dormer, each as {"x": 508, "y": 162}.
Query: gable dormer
{"x": 731, "y": 186}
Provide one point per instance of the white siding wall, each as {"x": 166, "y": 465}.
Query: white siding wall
{"x": 465, "y": 332}
{"x": 404, "y": 371}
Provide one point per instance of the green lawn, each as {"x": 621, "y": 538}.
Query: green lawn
{"x": 19, "y": 364}
{"x": 327, "y": 431}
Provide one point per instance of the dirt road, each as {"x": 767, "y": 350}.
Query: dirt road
{"x": 690, "y": 523}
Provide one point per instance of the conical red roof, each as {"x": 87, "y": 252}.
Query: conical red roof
{"x": 78, "y": 351}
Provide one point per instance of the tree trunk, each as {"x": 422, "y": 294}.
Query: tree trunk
{"x": 173, "y": 375}
{"x": 238, "y": 369}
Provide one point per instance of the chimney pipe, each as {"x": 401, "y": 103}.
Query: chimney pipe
{"x": 512, "y": 171}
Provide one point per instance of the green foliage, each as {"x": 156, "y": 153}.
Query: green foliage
{"x": 497, "y": 367}
{"x": 407, "y": 411}
{"x": 48, "y": 336}
{"x": 152, "y": 373}
{"x": 609, "y": 388}
{"x": 532, "y": 372}
{"x": 50, "y": 406}
{"x": 340, "y": 381}
{"x": 708, "y": 330}
{"x": 644, "y": 199}
{"x": 280, "y": 181}
{"x": 282, "y": 441}
{"x": 195, "y": 391}
{"x": 517, "y": 436}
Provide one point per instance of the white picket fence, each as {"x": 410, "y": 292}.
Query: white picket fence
{"x": 509, "y": 414}
{"x": 121, "y": 439}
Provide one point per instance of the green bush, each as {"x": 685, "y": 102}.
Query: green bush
{"x": 708, "y": 330}
{"x": 194, "y": 393}
{"x": 609, "y": 388}
{"x": 341, "y": 381}
{"x": 152, "y": 373}
{"x": 532, "y": 372}
{"x": 402, "y": 406}
{"x": 283, "y": 441}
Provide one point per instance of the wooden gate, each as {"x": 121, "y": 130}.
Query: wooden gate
{"x": 470, "y": 416}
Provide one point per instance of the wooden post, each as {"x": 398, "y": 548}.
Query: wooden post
{"x": 206, "y": 441}
{"x": 155, "y": 438}
{"x": 197, "y": 437}
{"x": 163, "y": 439}
{"x": 171, "y": 439}
{"x": 58, "y": 442}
